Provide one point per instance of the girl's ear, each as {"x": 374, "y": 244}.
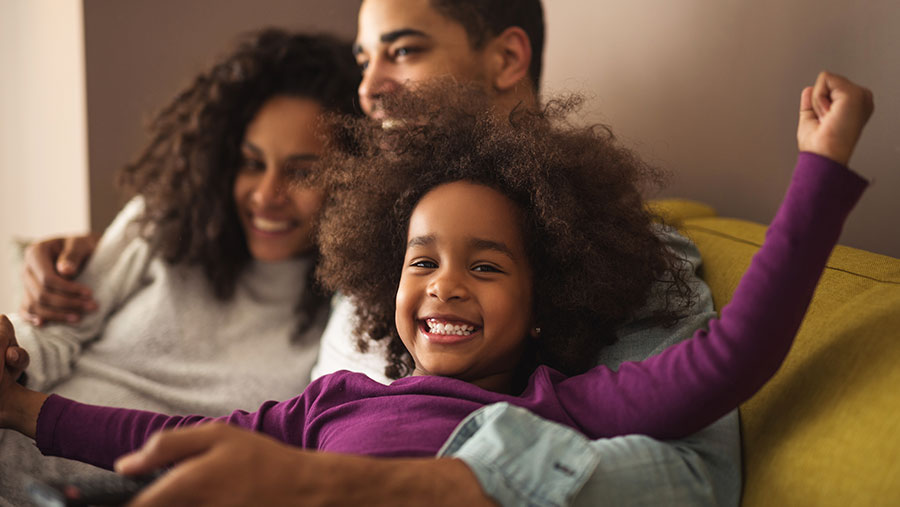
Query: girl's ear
{"x": 510, "y": 58}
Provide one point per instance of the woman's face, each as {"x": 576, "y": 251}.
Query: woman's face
{"x": 279, "y": 146}
{"x": 465, "y": 294}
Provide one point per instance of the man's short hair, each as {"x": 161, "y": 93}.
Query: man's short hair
{"x": 484, "y": 19}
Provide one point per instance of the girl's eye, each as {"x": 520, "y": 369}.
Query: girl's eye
{"x": 424, "y": 264}
{"x": 486, "y": 268}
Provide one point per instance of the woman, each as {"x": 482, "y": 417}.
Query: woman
{"x": 204, "y": 280}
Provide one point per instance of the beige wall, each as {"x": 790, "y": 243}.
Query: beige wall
{"x": 706, "y": 89}
{"x": 43, "y": 156}
{"x": 710, "y": 91}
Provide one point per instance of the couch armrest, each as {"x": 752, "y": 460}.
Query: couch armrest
{"x": 826, "y": 429}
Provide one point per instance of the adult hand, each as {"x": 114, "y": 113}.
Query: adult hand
{"x": 19, "y": 407}
{"x": 50, "y": 295}
{"x": 8, "y": 347}
{"x": 833, "y": 113}
{"x": 225, "y": 465}
{"x": 16, "y": 359}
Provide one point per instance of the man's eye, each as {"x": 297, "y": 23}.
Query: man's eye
{"x": 424, "y": 264}
{"x": 404, "y": 51}
{"x": 363, "y": 65}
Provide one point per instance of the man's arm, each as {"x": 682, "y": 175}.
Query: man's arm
{"x": 221, "y": 464}
{"x": 521, "y": 459}
{"x": 50, "y": 293}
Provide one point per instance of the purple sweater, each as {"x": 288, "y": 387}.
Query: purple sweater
{"x": 671, "y": 395}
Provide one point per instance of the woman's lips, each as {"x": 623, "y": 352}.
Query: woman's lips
{"x": 271, "y": 226}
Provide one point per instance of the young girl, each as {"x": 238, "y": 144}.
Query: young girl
{"x": 205, "y": 279}
{"x": 504, "y": 244}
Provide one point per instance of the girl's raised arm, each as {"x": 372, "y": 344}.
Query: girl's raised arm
{"x": 692, "y": 384}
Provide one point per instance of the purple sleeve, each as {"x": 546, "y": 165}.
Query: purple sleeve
{"x": 694, "y": 383}
{"x": 99, "y": 435}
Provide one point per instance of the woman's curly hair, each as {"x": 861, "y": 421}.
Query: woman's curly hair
{"x": 593, "y": 247}
{"x": 187, "y": 171}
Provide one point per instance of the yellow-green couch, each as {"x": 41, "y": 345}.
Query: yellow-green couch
{"x": 826, "y": 429}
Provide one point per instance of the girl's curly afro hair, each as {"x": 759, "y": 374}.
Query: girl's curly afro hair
{"x": 593, "y": 247}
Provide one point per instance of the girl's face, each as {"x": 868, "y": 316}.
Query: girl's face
{"x": 279, "y": 145}
{"x": 465, "y": 294}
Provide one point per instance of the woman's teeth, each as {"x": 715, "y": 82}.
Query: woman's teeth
{"x": 266, "y": 225}
{"x": 438, "y": 327}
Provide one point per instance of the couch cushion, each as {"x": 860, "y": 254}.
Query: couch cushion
{"x": 676, "y": 211}
{"x": 826, "y": 429}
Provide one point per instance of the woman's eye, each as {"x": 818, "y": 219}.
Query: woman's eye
{"x": 249, "y": 164}
{"x": 298, "y": 174}
{"x": 424, "y": 264}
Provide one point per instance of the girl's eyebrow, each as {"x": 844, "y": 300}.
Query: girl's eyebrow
{"x": 489, "y": 244}
{"x": 420, "y": 241}
{"x": 476, "y": 243}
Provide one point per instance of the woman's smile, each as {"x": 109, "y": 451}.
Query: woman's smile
{"x": 272, "y": 226}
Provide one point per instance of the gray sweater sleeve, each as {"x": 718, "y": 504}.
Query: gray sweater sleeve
{"x": 114, "y": 271}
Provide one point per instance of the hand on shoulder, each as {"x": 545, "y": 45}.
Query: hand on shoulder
{"x": 50, "y": 294}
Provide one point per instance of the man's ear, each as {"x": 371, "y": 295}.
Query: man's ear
{"x": 511, "y": 58}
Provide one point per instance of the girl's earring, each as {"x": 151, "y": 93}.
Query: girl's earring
{"x": 535, "y": 332}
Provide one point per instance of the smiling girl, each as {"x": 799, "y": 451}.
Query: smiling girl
{"x": 494, "y": 254}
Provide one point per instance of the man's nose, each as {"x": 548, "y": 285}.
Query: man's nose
{"x": 377, "y": 82}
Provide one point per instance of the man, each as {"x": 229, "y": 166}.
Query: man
{"x": 503, "y": 454}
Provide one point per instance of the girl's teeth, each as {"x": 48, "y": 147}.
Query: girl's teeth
{"x": 436, "y": 327}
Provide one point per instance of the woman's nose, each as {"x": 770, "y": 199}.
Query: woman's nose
{"x": 271, "y": 188}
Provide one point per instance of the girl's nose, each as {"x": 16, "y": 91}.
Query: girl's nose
{"x": 448, "y": 285}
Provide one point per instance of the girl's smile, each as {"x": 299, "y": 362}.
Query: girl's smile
{"x": 465, "y": 293}
{"x": 447, "y": 329}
